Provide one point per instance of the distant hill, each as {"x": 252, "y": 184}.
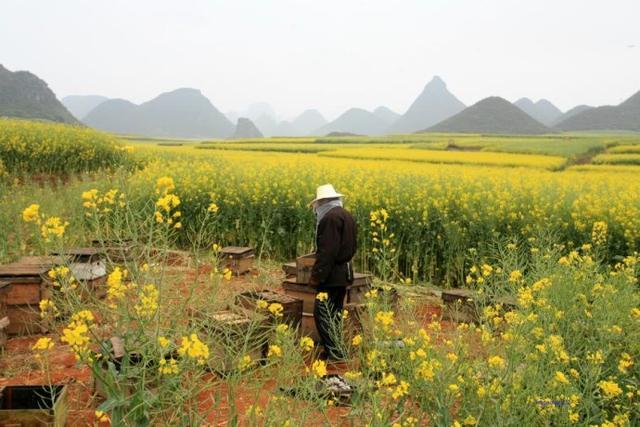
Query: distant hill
{"x": 24, "y": 95}
{"x": 267, "y": 124}
{"x": 285, "y": 128}
{"x": 258, "y": 109}
{"x": 81, "y": 105}
{"x": 246, "y": 129}
{"x": 308, "y": 122}
{"x": 625, "y": 116}
{"x": 492, "y": 115}
{"x": 386, "y": 114}
{"x": 355, "y": 120}
{"x": 543, "y": 111}
{"x": 182, "y": 113}
{"x": 433, "y": 105}
{"x": 572, "y": 112}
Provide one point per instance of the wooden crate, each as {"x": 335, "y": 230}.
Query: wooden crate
{"x": 308, "y": 326}
{"x": 238, "y": 259}
{"x": 118, "y": 357}
{"x": 232, "y": 334}
{"x": 90, "y": 254}
{"x": 4, "y": 324}
{"x": 305, "y": 293}
{"x": 117, "y": 251}
{"x": 304, "y": 265}
{"x": 4, "y": 315}
{"x": 289, "y": 268}
{"x": 460, "y": 305}
{"x": 49, "y": 261}
{"x": 355, "y": 291}
{"x": 292, "y": 307}
{"x": 353, "y": 323}
{"x": 30, "y": 406}
{"x": 29, "y": 285}
{"x": 360, "y": 286}
{"x": 92, "y": 278}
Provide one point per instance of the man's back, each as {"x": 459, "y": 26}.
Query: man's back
{"x": 336, "y": 243}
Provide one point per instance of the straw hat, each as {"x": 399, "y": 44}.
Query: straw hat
{"x": 325, "y": 192}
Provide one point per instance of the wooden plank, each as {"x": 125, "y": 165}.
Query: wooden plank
{"x": 292, "y": 307}
{"x": 238, "y": 266}
{"x": 304, "y": 265}
{"x": 289, "y": 268}
{"x": 31, "y": 406}
{"x": 304, "y": 293}
{"x": 17, "y": 269}
{"x": 24, "y": 293}
{"x": 237, "y": 251}
{"x": 24, "y": 320}
{"x": 308, "y": 326}
{"x": 44, "y": 261}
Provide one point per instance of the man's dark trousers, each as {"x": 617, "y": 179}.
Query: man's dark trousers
{"x": 328, "y": 318}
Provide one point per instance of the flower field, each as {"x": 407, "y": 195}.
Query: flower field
{"x": 548, "y": 249}
{"x": 31, "y": 147}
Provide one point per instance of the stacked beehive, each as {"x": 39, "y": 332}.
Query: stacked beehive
{"x": 28, "y": 285}
{"x": 297, "y": 285}
{"x": 238, "y": 259}
{"x": 87, "y": 266}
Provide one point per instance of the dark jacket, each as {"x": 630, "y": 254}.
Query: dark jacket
{"x": 336, "y": 245}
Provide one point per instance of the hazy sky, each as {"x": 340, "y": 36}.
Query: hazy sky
{"x": 326, "y": 54}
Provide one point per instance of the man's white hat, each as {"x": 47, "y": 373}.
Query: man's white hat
{"x": 326, "y": 192}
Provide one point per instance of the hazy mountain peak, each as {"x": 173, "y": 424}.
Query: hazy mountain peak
{"x": 542, "y": 110}
{"x": 81, "y": 105}
{"x": 436, "y": 83}
{"x": 625, "y": 116}
{"x": 307, "y": 122}
{"x": 259, "y": 109}
{"x": 25, "y": 95}
{"x": 493, "y": 115}
{"x": 246, "y": 129}
{"x": 386, "y": 114}
{"x": 180, "y": 113}
{"x": 434, "y": 104}
{"x": 357, "y": 121}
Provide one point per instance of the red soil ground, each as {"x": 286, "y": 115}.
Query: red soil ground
{"x": 18, "y": 366}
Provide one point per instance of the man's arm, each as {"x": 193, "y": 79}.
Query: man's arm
{"x": 329, "y": 241}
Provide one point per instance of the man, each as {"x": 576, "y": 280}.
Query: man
{"x": 332, "y": 272}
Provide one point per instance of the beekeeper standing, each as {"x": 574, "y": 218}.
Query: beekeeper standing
{"x": 332, "y": 272}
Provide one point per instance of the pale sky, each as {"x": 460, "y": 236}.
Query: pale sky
{"x": 328, "y": 54}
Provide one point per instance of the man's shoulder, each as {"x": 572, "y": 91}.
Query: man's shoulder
{"x": 337, "y": 213}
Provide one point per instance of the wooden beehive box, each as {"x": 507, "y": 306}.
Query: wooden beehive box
{"x": 360, "y": 286}
{"x": 305, "y": 293}
{"x": 83, "y": 255}
{"x": 289, "y": 268}
{"x": 29, "y": 285}
{"x": 128, "y": 366}
{"x": 232, "y": 334}
{"x": 238, "y": 259}
{"x": 116, "y": 251}
{"x": 4, "y": 317}
{"x": 88, "y": 267}
{"x": 460, "y": 305}
{"x": 31, "y": 406}
{"x": 48, "y": 261}
{"x": 304, "y": 265}
{"x": 292, "y": 307}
